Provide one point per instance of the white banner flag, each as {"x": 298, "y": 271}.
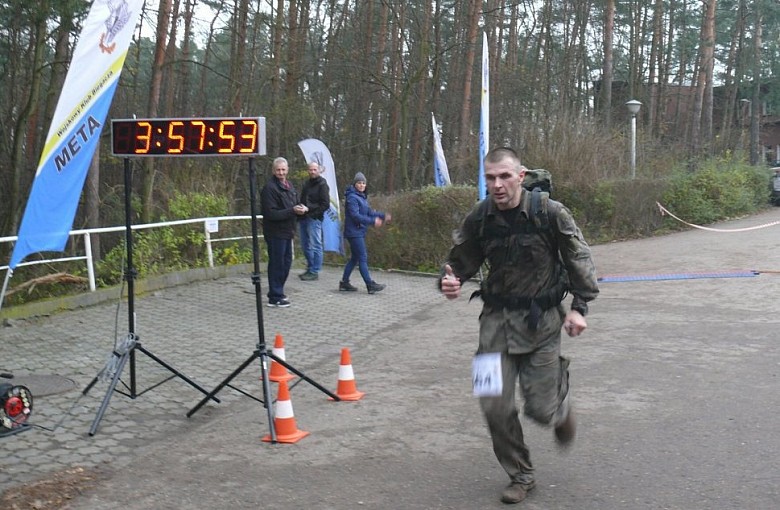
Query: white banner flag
{"x": 441, "y": 174}
{"x": 484, "y": 119}
{"x": 315, "y": 150}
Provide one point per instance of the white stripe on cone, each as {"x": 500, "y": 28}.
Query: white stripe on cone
{"x": 283, "y": 409}
{"x": 346, "y": 373}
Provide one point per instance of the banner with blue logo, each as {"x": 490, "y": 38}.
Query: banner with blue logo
{"x": 76, "y": 126}
{"x": 315, "y": 150}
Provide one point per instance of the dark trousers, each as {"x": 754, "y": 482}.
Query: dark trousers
{"x": 279, "y": 263}
{"x": 359, "y": 257}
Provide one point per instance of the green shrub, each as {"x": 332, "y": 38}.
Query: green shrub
{"x": 166, "y": 249}
{"x": 717, "y": 190}
{"x": 420, "y": 233}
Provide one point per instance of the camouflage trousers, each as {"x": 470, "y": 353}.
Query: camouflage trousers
{"x": 532, "y": 361}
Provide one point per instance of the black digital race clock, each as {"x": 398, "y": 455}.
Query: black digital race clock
{"x": 216, "y": 136}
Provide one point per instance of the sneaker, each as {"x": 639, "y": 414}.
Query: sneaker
{"x": 516, "y": 492}
{"x": 374, "y": 287}
{"x": 308, "y": 277}
{"x": 347, "y": 287}
{"x": 566, "y": 430}
{"x": 279, "y": 303}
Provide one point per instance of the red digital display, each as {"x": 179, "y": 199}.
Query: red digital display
{"x": 228, "y": 136}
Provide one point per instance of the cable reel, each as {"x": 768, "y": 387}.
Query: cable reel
{"x": 16, "y": 403}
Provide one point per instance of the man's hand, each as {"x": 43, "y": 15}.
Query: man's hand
{"x": 574, "y": 323}
{"x": 450, "y": 285}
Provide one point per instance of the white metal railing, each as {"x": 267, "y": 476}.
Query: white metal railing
{"x": 210, "y": 226}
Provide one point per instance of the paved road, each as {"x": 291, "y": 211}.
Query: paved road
{"x": 675, "y": 383}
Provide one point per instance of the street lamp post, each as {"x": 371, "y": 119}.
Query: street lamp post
{"x": 633, "y": 108}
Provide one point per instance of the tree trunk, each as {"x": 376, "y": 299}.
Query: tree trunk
{"x": 276, "y": 78}
{"x": 18, "y": 150}
{"x": 701, "y": 118}
{"x": 655, "y": 65}
{"x": 184, "y": 74}
{"x": 707, "y": 100}
{"x": 471, "y": 51}
{"x": 170, "y": 74}
{"x": 378, "y": 104}
{"x": 238, "y": 56}
{"x": 59, "y": 67}
{"x": 755, "y": 105}
{"x": 732, "y": 78}
{"x": 163, "y": 22}
{"x": 422, "y": 93}
{"x": 392, "y": 138}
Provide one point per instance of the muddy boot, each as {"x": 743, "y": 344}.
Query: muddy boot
{"x": 566, "y": 430}
{"x": 516, "y": 492}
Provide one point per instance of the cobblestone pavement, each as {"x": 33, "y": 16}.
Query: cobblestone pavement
{"x": 675, "y": 384}
{"x": 204, "y": 331}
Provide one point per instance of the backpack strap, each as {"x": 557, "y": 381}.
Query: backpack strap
{"x": 539, "y": 214}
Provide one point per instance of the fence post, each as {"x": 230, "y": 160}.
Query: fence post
{"x": 90, "y": 266}
{"x": 208, "y": 243}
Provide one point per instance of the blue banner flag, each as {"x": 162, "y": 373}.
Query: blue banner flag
{"x": 76, "y": 126}
{"x": 484, "y": 119}
{"x": 315, "y": 150}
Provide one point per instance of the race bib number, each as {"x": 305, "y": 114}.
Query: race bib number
{"x": 486, "y": 375}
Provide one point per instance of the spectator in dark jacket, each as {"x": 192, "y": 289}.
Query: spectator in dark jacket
{"x": 359, "y": 216}
{"x": 316, "y": 196}
{"x": 280, "y": 209}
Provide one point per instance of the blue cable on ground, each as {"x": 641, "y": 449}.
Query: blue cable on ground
{"x": 677, "y": 276}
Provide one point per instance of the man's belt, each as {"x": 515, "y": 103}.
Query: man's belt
{"x": 546, "y": 299}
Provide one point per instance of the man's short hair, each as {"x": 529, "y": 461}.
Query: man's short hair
{"x": 279, "y": 161}
{"x": 501, "y": 153}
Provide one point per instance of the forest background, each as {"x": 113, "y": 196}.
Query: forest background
{"x": 364, "y": 77}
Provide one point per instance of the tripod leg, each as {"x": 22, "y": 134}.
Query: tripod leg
{"x": 224, "y": 383}
{"x": 174, "y": 371}
{"x": 303, "y": 376}
{"x": 267, "y": 393}
{"x": 89, "y": 386}
{"x": 111, "y": 388}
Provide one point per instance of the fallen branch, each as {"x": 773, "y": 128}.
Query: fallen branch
{"x": 48, "y": 279}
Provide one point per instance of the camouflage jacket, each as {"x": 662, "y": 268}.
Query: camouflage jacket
{"x": 523, "y": 260}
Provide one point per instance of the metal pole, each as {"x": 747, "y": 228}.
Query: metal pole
{"x": 8, "y": 275}
{"x": 90, "y": 262}
{"x": 633, "y": 146}
{"x": 209, "y": 251}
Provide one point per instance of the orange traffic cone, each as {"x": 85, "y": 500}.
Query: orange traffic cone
{"x": 284, "y": 421}
{"x": 347, "y": 389}
{"x": 278, "y": 372}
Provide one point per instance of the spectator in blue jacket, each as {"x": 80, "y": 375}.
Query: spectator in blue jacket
{"x": 359, "y": 216}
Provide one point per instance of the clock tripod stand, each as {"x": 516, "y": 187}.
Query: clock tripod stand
{"x": 124, "y": 354}
{"x": 261, "y": 352}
